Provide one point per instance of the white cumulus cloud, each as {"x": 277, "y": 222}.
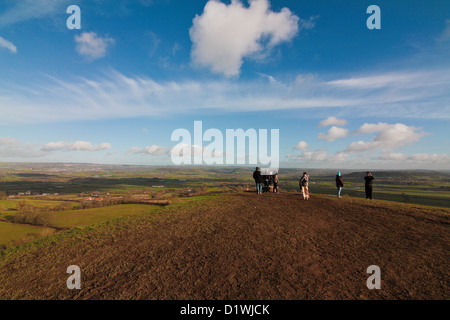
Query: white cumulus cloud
{"x": 92, "y": 46}
{"x": 434, "y": 158}
{"x": 226, "y": 34}
{"x": 334, "y": 133}
{"x": 11, "y": 147}
{"x": 389, "y": 136}
{"x": 302, "y": 145}
{"x": 332, "y": 121}
{"x": 319, "y": 155}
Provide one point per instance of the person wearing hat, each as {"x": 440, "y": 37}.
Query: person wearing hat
{"x": 339, "y": 183}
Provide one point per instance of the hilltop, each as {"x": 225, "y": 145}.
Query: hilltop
{"x": 243, "y": 246}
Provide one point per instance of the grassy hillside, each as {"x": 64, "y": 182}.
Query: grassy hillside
{"x": 11, "y": 233}
{"x": 77, "y": 218}
{"x": 243, "y": 246}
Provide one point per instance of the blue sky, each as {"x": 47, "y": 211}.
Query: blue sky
{"x": 342, "y": 96}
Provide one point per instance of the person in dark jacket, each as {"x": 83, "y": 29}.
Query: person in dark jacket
{"x": 258, "y": 180}
{"x": 275, "y": 183}
{"x": 368, "y": 185}
{"x": 265, "y": 183}
{"x": 339, "y": 183}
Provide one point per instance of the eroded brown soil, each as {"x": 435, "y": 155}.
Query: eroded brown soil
{"x": 244, "y": 246}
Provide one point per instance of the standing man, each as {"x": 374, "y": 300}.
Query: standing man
{"x": 303, "y": 184}
{"x": 339, "y": 183}
{"x": 258, "y": 180}
{"x": 368, "y": 184}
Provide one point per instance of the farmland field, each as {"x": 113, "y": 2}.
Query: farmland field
{"x": 230, "y": 246}
{"x": 13, "y": 233}
{"x": 203, "y": 233}
{"x": 77, "y": 218}
{"x": 67, "y": 195}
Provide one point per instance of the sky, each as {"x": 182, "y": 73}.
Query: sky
{"x": 341, "y": 95}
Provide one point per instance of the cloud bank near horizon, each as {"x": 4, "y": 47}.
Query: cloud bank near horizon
{"x": 381, "y": 149}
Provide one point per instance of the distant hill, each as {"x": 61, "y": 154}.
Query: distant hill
{"x": 399, "y": 174}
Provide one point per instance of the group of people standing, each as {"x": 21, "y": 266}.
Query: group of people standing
{"x": 262, "y": 183}
{"x": 367, "y": 184}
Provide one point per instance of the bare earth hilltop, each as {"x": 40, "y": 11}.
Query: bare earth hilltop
{"x": 243, "y": 246}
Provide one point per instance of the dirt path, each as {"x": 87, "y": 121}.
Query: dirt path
{"x": 235, "y": 247}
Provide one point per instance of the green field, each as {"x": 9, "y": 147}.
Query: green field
{"x": 234, "y": 245}
{"x": 8, "y": 207}
{"x": 11, "y": 233}
{"x": 432, "y": 194}
{"x": 74, "y": 195}
{"x": 77, "y": 218}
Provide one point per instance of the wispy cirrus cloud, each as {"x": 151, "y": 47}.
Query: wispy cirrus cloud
{"x": 116, "y": 95}
{"x": 15, "y": 149}
{"x": 23, "y": 10}
{"x": 445, "y": 35}
{"x": 7, "y": 45}
{"x": 378, "y": 81}
{"x": 75, "y": 146}
{"x": 153, "y": 150}
{"x": 308, "y": 24}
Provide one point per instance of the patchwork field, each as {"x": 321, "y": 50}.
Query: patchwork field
{"x": 84, "y": 217}
{"x": 13, "y": 232}
{"x": 202, "y": 233}
{"x": 243, "y": 246}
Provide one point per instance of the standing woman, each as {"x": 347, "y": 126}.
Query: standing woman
{"x": 368, "y": 185}
{"x": 303, "y": 183}
{"x": 339, "y": 183}
{"x": 275, "y": 183}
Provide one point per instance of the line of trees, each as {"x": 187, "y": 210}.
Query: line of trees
{"x": 29, "y": 214}
{"x": 42, "y": 216}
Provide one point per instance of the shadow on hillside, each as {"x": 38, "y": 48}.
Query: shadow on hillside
{"x": 86, "y": 185}
{"x": 79, "y": 185}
